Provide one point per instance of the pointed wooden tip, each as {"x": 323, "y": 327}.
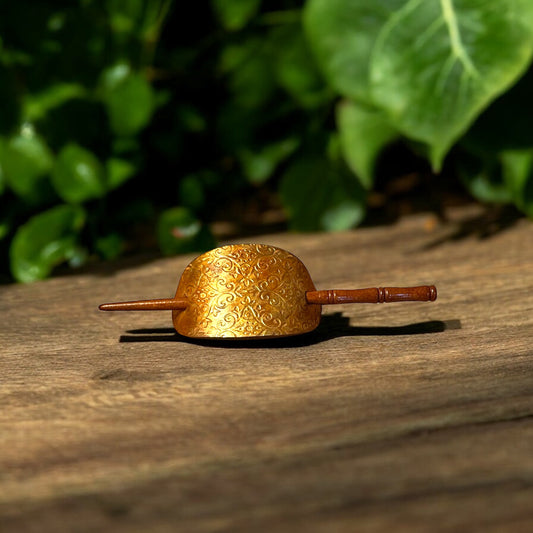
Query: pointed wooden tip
{"x": 163, "y": 304}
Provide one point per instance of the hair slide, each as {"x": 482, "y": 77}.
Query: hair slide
{"x": 256, "y": 291}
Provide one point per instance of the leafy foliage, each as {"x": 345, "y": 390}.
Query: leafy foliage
{"x": 124, "y": 124}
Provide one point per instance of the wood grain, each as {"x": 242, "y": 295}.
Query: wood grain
{"x": 402, "y": 417}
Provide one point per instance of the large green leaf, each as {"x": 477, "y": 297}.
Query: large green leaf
{"x": 78, "y": 175}
{"x": 464, "y": 55}
{"x": 364, "y": 132}
{"x": 321, "y": 195}
{"x": 45, "y": 241}
{"x": 431, "y": 65}
{"x": 26, "y": 161}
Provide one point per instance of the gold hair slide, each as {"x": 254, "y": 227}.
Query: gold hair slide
{"x": 256, "y": 291}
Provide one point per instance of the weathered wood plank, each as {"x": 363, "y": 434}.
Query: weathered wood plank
{"x": 393, "y": 416}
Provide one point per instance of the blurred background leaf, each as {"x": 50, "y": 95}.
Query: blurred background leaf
{"x": 130, "y": 103}
{"x": 78, "y": 175}
{"x": 46, "y": 240}
{"x": 26, "y": 160}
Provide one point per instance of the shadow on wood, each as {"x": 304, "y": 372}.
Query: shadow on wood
{"x": 331, "y": 327}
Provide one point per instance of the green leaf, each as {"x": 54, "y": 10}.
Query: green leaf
{"x": 235, "y": 14}
{"x": 118, "y": 172}
{"x": 179, "y": 231}
{"x": 319, "y": 195}
{"x": 364, "y": 132}
{"x": 260, "y": 165}
{"x": 431, "y": 65}
{"x": 129, "y": 100}
{"x": 37, "y": 105}
{"x": 78, "y": 175}
{"x": 518, "y": 175}
{"x": 45, "y": 241}
{"x": 26, "y": 161}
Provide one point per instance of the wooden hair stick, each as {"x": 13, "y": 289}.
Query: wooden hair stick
{"x": 376, "y": 295}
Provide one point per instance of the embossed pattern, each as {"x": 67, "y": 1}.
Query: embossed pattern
{"x": 251, "y": 290}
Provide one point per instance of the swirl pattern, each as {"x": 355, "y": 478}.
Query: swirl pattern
{"x": 246, "y": 290}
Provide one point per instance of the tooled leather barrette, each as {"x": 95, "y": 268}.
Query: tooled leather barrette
{"x": 256, "y": 291}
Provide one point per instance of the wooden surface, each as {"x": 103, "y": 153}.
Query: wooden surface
{"x": 391, "y": 417}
